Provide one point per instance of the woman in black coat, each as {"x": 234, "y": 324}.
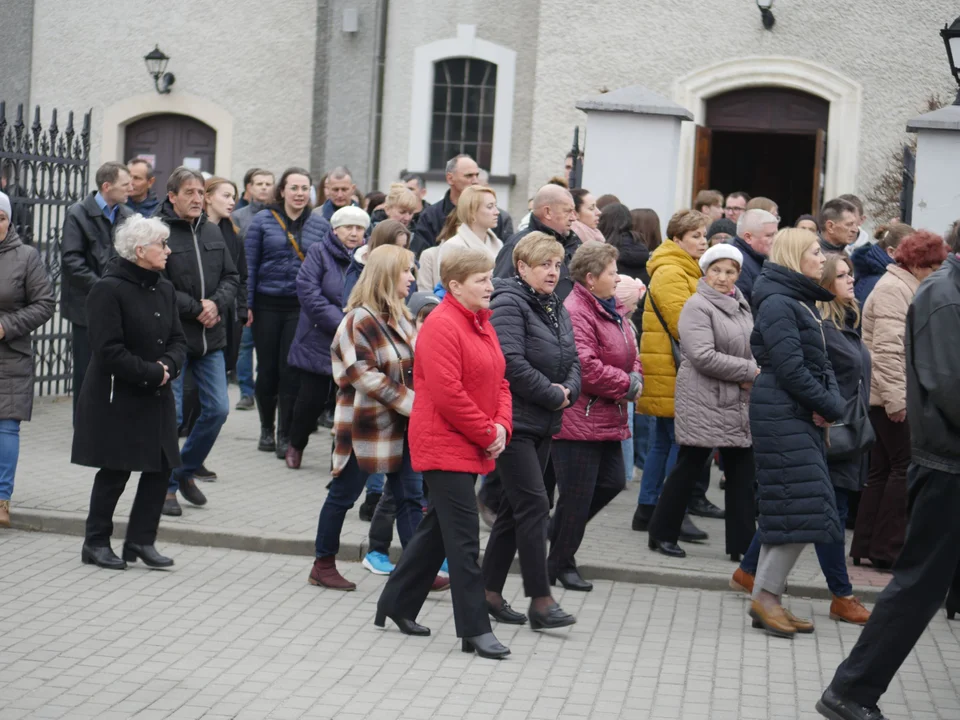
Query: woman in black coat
{"x": 851, "y": 366}
{"x": 793, "y": 399}
{"x": 126, "y": 415}
{"x": 536, "y": 337}
{"x": 616, "y": 224}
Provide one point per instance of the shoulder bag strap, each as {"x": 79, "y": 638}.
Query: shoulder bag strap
{"x": 290, "y": 237}
{"x": 656, "y": 310}
{"x": 386, "y": 331}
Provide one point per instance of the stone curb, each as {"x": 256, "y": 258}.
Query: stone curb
{"x": 63, "y": 523}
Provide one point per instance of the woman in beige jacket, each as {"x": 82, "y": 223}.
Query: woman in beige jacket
{"x": 712, "y": 404}
{"x": 882, "y": 517}
{"x": 476, "y": 217}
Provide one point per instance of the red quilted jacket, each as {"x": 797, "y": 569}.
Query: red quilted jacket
{"x": 608, "y": 353}
{"x": 461, "y": 392}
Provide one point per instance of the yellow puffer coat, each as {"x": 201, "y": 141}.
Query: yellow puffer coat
{"x": 673, "y": 280}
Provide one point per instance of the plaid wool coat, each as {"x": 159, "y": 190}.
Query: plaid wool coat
{"x": 375, "y": 390}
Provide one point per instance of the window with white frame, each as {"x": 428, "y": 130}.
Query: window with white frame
{"x": 464, "y": 99}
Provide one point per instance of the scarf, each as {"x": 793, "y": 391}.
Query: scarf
{"x": 549, "y": 303}
{"x": 610, "y": 305}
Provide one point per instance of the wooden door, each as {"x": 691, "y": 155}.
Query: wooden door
{"x": 819, "y": 171}
{"x": 701, "y": 161}
{"x": 169, "y": 141}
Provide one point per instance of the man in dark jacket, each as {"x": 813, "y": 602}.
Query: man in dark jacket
{"x": 259, "y": 188}
{"x": 838, "y": 226}
{"x": 923, "y": 573}
{"x": 142, "y": 199}
{"x": 85, "y": 249}
{"x": 340, "y": 190}
{"x": 755, "y": 231}
{"x": 553, "y": 213}
{"x": 206, "y": 282}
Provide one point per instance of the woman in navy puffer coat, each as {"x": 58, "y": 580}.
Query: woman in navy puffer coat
{"x": 276, "y": 243}
{"x": 792, "y": 400}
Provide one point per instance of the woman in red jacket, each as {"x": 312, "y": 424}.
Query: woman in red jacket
{"x": 587, "y": 455}
{"x": 461, "y": 422}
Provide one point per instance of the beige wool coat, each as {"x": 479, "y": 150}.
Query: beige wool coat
{"x": 712, "y": 410}
{"x": 884, "y": 324}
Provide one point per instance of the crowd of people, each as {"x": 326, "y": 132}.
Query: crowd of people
{"x": 554, "y": 363}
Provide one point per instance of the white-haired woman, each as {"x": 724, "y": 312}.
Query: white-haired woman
{"x": 126, "y": 415}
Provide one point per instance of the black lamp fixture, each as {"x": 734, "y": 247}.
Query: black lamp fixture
{"x": 766, "y": 13}
{"x": 951, "y": 38}
{"x": 156, "y": 65}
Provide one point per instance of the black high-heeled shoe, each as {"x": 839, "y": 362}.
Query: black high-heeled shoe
{"x": 667, "y": 548}
{"x": 506, "y": 614}
{"x": 486, "y": 646}
{"x": 407, "y": 627}
{"x": 552, "y": 618}
{"x": 147, "y": 553}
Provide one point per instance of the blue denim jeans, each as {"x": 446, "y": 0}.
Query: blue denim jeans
{"x": 245, "y": 363}
{"x": 9, "y": 454}
{"x": 210, "y": 376}
{"x": 832, "y": 556}
{"x": 375, "y": 483}
{"x": 627, "y": 444}
{"x": 642, "y": 430}
{"x": 405, "y": 484}
{"x": 660, "y": 461}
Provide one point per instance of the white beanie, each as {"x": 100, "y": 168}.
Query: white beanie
{"x": 350, "y": 215}
{"x": 720, "y": 252}
{"x": 5, "y": 206}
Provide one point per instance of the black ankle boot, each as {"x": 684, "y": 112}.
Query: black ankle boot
{"x": 267, "y": 442}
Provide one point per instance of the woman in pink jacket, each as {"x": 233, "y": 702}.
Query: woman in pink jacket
{"x": 587, "y": 456}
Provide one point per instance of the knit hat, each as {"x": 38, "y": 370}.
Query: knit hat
{"x": 723, "y": 225}
{"x": 419, "y": 300}
{"x": 5, "y": 206}
{"x": 350, "y": 215}
{"x": 629, "y": 291}
{"x": 720, "y": 252}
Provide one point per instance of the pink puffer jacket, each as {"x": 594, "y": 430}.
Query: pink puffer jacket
{"x": 608, "y": 354}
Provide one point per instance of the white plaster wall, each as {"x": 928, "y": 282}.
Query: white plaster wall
{"x": 892, "y": 49}
{"x": 511, "y": 23}
{"x": 254, "y": 60}
{"x": 936, "y": 196}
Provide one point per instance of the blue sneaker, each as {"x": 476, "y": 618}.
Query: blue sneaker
{"x": 444, "y": 569}
{"x": 378, "y": 563}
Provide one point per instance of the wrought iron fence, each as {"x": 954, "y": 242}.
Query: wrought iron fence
{"x": 44, "y": 170}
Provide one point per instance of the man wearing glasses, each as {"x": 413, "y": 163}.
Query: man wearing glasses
{"x": 735, "y": 205}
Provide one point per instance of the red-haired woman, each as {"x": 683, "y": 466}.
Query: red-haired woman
{"x": 882, "y": 517}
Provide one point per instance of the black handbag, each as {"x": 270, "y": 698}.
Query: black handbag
{"x": 851, "y": 435}
{"x": 674, "y": 344}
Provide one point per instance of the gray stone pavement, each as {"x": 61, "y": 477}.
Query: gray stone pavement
{"x": 237, "y": 634}
{"x": 258, "y": 504}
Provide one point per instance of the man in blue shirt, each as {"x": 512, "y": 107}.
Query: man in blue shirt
{"x": 85, "y": 249}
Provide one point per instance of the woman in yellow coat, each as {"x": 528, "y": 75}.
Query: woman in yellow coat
{"x": 674, "y": 274}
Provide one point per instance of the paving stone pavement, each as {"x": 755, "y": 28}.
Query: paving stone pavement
{"x": 258, "y": 504}
{"x": 236, "y": 634}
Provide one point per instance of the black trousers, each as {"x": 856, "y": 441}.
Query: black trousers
{"x": 310, "y": 403}
{"x": 738, "y": 495}
{"x": 922, "y": 575}
{"x": 82, "y": 352}
{"x": 589, "y": 475}
{"x": 108, "y": 486}
{"x": 234, "y": 330}
{"x": 522, "y": 518}
{"x": 702, "y": 482}
{"x": 273, "y": 333}
{"x": 451, "y": 529}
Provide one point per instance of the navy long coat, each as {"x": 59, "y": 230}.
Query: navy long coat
{"x": 797, "y": 503}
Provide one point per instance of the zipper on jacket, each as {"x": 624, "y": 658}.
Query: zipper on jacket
{"x": 203, "y": 287}
{"x": 590, "y": 405}
{"x": 111, "y": 389}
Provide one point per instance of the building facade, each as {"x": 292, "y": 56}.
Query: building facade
{"x": 817, "y": 105}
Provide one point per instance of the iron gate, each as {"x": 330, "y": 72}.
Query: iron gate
{"x": 45, "y": 171}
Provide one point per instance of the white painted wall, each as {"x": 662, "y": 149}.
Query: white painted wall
{"x": 246, "y": 63}
{"x": 936, "y": 195}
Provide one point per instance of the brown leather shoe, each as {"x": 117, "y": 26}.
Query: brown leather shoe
{"x": 849, "y": 609}
{"x": 440, "y": 584}
{"x": 4, "y": 513}
{"x": 325, "y": 574}
{"x": 742, "y": 581}
{"x": 774, "y": 621}
{"x": 801, "y": 624}
{"x": 293, "y": 457}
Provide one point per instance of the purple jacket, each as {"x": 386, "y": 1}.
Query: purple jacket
{"x": 320, "y": 289}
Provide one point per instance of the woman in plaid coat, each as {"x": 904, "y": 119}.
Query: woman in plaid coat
{"x": 372, "y": 359}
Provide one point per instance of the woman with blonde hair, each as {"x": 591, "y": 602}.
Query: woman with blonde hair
{"x": 793, "y": 400}
{"x": 462, "y": 421}
{"x": 372, "y": 357}
{"x": 401, "y": 204}
{"x": 476, "y": 217}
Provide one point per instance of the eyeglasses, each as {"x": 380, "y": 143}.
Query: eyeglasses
{"x": 161, "y": 243}
{"x": 733, "y": 207}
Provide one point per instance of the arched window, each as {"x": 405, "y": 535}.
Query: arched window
{"x": 464, "y": 96}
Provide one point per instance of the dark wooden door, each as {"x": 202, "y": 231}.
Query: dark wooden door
{"x": 701, "y": 160}
{"x": 169, "y": 141}
{"x": 819, "y": 165}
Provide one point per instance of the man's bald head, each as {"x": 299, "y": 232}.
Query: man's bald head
{"x": 553, "y": 206}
